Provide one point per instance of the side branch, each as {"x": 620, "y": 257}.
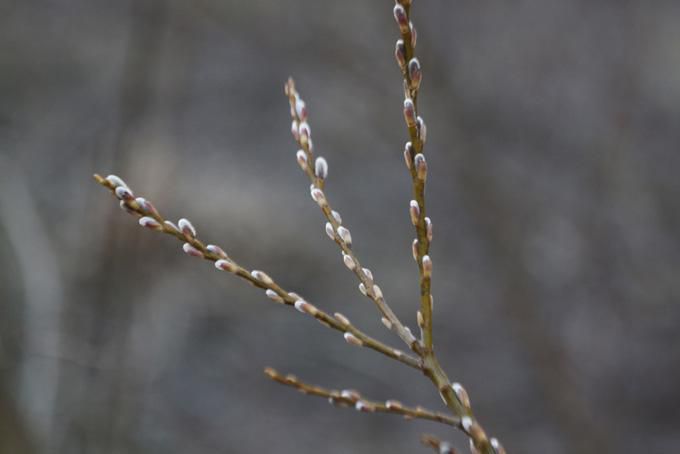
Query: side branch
{"x": 442, "y": 447}
{"x": 351, "y": 398}
{"x": 184, "y": 231}
{"x": 317, "y": 171}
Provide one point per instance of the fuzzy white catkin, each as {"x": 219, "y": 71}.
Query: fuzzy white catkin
{"x": 301, "y": 157}
{"x": 421, "y": 166}
{"x": 352, "y": 339}
{"x": 461, "y": 394}
{"x": 171, "y": 226}
{"x": 428, "y": 225}
{"x": 262, "y": 277}
{"x": 216, "y": 250}
{"x": 345, "y": 235}
{"x": 409, "y": 112}
{"x": 414, "y": 211}
{"x": 186, "y": 227}
{"x": 330, "y": 231}
{"x": 377, "y": 292}
{"x": 427, "y": 266}
{"x": 116, "y": 181}
{"x": 319, "y": 197}
{"x": 422, "y": 129}
{"x": 300, "y": 108}
{"x": 321, "y": 168}
{"x": 466, "y": 422}
{"x": 192, "y": 251}
{"x": 123, "y": 193}
{"x": 349, "y": 261}
{"x": 225, "y": 265}
{"x": 149, "y": 223}
{"x": 272, "y": 295}
{"x": 341, "y": 318}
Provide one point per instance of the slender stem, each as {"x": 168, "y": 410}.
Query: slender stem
{"x": 411, "y": 71}
{"x": 327, "y": 210}
{"x": 439, "y": 446}
{"x": 418, "y": 181}
{"x": 354, "y": 399}
{"x": 338, "y": 322}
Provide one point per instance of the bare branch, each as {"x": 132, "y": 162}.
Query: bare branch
{"x": 415, "y": 162}
{"x": 442, "y": 447}
{"x": 317, "y": 171}
{"x": 184, "y": 231}
{"x": 351, "y": 398}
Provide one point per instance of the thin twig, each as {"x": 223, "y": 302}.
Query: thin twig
{"x": 351, "y": 398}
{"x": 317, "y": 171}
{"x": 150, "y": 217}
{"x": 440, "y": 446}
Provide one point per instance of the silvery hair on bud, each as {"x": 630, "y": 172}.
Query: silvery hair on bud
{"x": 123, "y": 193}
{"x": 400, "y": 53}
{"x": 304, "y": 130}
{"x": 414, "y": 211}
{"x": 186, "y": 227}
{"x": 321, "y": 168}
{"x": 349, "y": 261}
{"x": 262, "y": 277}
{"x": 401, "y": 17}
{"x": 421, "y": 166}
{"x": 409, "y": 112}
{"x": 192, "y": 251}
{"x": 345, "y": 236}
{"x": 150, "y": 223}
{"x": 225, "y": 265}
{"x": 300, "y": 108}
{"x": 116, "y": 181}
{"x": 415, "y": 73}
{"x": 422, "y": 129}
{"x": 352, "y": 339}
{"x": 271, "y": 294}
{"x": 318, "y": 196}
{"x": 218, "y": 251}
{"x": 330, "y": 231}
{"x": 301, "y": 157}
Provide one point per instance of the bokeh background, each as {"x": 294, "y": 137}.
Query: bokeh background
{"x": 554, "y": 141}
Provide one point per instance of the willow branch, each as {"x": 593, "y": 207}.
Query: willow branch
{"x": 317, "y": 171}
{"x": 453, "y": 394}
{"x": 442, "y": 447}
{"x": 415, "y": 161}
{"x": 184, "y": 231}
{"x": 351, "y": 398}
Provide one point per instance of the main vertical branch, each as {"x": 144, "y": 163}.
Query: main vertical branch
{"x": 453, "y": 394}
{"x": 416, "y": 163}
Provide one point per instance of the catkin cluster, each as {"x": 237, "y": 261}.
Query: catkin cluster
{"x": 420, "y": 352}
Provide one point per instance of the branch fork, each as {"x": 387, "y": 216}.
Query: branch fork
{"x": 422, "y": 355}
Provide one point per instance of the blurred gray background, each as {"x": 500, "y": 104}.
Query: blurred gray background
{"x": 554, "y": 133}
